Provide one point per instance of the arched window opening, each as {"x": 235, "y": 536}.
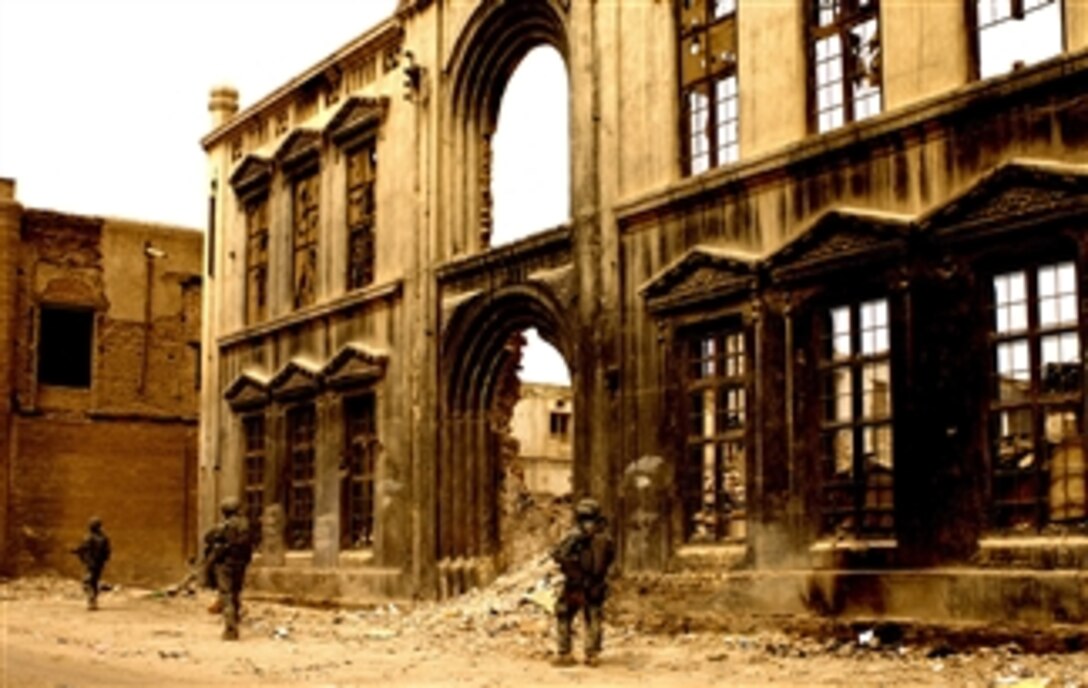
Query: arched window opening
{"x": 530, "y": 148}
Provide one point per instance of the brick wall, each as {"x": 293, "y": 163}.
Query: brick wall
{"x": 139, "y": 477}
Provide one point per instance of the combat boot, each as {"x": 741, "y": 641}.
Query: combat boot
{"x": 230, "y": 634}
{"x": 563, "y": 660}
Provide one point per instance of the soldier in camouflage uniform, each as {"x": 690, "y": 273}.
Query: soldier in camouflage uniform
{"x": 227, "y": 552}
{"x": 584, "y": 556}
{"x": 93, "y": 552}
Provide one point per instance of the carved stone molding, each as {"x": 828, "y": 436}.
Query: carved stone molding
{"x": 354, "y": 364}
{"x": 703, "y": 273}
{"x": 248, "y": 391}
{"x": 298, "y": 378}
{"x": 300, "y": 151}
{"x": 251, "y": 177}
{"x": 356, "y": 118}
{"x": 838, "y": 238}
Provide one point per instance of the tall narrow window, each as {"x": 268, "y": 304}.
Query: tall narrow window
{"x": 362, "y": 164}
{"x": 257, "y": 259}
{"x": 361, "y": 443}
{"x": 1036, "y": 410}
{"x": 858, "y": 462}
{"x": 307, "y": 200}
{"x": 300, "y": 476}
{"x": 844, "y": 38}
{"x": 708, "y": 83}
{"x": 1016, "y": 33}
{"x": 714, "y": 480}
{"x": 253, "y": 484}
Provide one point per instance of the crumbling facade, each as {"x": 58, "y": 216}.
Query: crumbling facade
{"x": 821, "y": 297}
{"x": 101, "y": 318}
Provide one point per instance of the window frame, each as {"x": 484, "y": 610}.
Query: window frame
{"x": 851, "y": 16}
{"x": 305, "y": 243}
{"x": 358, "y": 493}
{"x": 254, "y": 470}
{"x": 300, "y": 480}
{"x": 843, "y": 504}
{"x": 258, "y": 237}
{"x": 728, "y": 442}
{"x": 362, "y": 227}
{"x": 721, "y": 149}
{"x": 975, "y": 30}
{"x": 1038, "y": 403}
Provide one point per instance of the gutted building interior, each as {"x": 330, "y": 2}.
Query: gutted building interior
{"x": 819, "y": 296}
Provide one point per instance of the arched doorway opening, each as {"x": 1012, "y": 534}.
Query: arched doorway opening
{"x": 483, "y": 353}
{"x": 530, "y": 149}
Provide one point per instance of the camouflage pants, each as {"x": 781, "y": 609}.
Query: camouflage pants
{"x": 90, "y": 586}
{"x": 592, "y": 614}
{"x": 230, "y": 600}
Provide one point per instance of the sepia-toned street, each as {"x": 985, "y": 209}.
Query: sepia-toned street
{"x": 491, "y": 638}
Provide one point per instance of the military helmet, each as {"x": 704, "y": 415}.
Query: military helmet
{"x": 95, "y": 523}
{"x": 229, "y": 506}
{"x": 587, "y": 508}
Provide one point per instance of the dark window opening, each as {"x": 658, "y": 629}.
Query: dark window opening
{"x": 1015, "y": 33}
{"x": 708, "y": 83}
{"x": 844, "y": 39}
{"x": 301, "y": 422}
{"x": 714, "y": 474}
{"x": 257, "y": 260}
{"x": 362, "y": 164}
{"x": 1036, "y": 421}
{"x": 858, "y": 461}
{"x": 559, "y": 424}
{"x": 306, "y": 227}
{"x": 360, "y": 450}
{"x": 254, "y": 466}
{"x": 65, "y": 345}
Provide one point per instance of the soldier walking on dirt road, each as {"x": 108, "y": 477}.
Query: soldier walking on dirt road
{"x": 93, "y": 552}
{"x": 584, "y": 556}
{"x": 227, "y": 551}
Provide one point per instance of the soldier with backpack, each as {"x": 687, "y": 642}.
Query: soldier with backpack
{"x": 228, "y": 549}
{"x": 584, "y": 556}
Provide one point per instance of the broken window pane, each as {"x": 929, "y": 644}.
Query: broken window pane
{"x": 1017, "y": 33}
{"x": 361, "y": 445}
{"x": 707, "y": 43}
{"x": 253, "y": 428}
{"x": 844, "y": 39}
{"x": 716, "y": 416}
{"x": 860, "y": 455}
{"x": 1037, "y": 468}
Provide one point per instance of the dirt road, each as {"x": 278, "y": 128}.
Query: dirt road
{"x": 484, "y": 640}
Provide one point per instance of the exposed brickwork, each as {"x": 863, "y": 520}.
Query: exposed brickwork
{"x": 124, "y": 449}
{"x": 137, "y": 476}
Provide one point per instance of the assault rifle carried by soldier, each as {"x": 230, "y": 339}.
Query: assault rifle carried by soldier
{"x": 584, "y": 556}
{"x": 93, "y": 552}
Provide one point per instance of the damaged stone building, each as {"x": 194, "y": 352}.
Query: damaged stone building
{"x": 820, "y": 295}
{"x": 100, "y": 372}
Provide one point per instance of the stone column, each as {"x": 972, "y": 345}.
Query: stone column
{"x": 11, "y": 213}
{"x": 328, "y": 459}
{"x": 272, "y": 546}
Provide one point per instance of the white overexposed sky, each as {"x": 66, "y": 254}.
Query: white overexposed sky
{"x": 103, "y": 104}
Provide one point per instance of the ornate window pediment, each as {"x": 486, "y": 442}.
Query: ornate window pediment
{"x": 298, "y": 378}
{"x": 299, "y": 151}
{"x": 702, "y": 274}
{"x": 354, "y": 364}
{"x": 1016, "y": 190}
{"x": 356, "y": 117}
{"x": 837, "y": 239}
{"x": 251, "y": 176}
{"x": 249, "y": 390}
